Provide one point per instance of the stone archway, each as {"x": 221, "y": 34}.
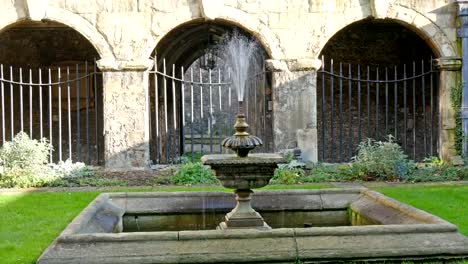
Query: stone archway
{"x": 179, "y": 54}
{"x": 383, "y": 44}
{"x": 64, "y": 99}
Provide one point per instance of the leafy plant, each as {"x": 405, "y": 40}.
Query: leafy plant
{"x": 332, "y": 173}
{"x": 24, "y": 163}
{"x": 456, "y": 99}
{"x": 383, "y": 160}
{"x": 194, "y": 173}
{"x": 289, "y": 173}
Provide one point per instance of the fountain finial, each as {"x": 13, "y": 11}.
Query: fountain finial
{"x": 241, "y": 142}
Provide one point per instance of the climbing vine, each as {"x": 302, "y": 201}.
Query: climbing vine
{"x": 456, "y": 98}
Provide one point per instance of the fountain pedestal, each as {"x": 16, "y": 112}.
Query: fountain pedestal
{"x": 243, "y": 174}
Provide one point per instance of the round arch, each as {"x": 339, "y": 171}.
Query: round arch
{"x": 70, "y": 19}
{"x": 392, "y": 89}
{"x": 420, "y": 24}
{"x": 229, "y": 16}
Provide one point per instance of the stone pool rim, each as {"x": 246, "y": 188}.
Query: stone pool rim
{"x": 301, "y": 240}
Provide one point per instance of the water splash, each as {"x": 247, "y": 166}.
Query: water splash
{"x": 242, "y": 59}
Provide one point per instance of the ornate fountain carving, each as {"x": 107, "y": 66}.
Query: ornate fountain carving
{"x": 243, "y": 173}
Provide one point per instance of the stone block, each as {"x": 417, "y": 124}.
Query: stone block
{"x": 307, "y": 142}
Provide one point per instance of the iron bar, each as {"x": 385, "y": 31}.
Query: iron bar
{"x": 405, "y": 116}
{"x": 174, "y": 118}
{"x": 69, "y": 114}
{"x": 88, "y": 156}
{"x": 414, "y": 111}
{"x": 332, "y": 95}
{"x": 220, "y": 104}
{"x": 323, "y": 109}
{"x": 40, "y": 105}
{"x": 210, "y": 118}
{"x": 201, "y": 111}
{"x": 432, "y": 108}
{"x": 191, "y": 112}
{"x": 424, "y": 107}
{"x": 359, "y": 105}
{"x": 156, "y": 109}
{"x": 50, "y": 111}
{"x": 377, "y": 88}
{"x": 341, "y": 112}
{"x": 78, "y": 119}
{"x": 3, "y": 105}
{"x": 386, "y": 101}
{"x": 30, "y": 104}
{"x": 165, "y": 108}
{"x": 59, "y": 73}
{"x": 182, "y": 127}
{"x": 368, "y": 103}
{"x": 21, "y": 98}
{"x": 395, "y": 118}
{"x": 96, "y": 110}
{"x": 350, "y": 126}
{"x": 12, "y": 121}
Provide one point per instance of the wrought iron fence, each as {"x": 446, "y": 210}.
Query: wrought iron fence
{"x": 61, "y": 103}
{"x": 193, "y": 110}
{"x": 358, "y": 102}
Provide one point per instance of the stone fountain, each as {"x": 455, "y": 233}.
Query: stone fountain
{"x": 243, "y": 173}
{"x": 327, "y": 226}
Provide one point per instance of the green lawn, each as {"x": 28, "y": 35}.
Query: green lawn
{"x": 30, "y": 221}
{"x": 447, "y": 202}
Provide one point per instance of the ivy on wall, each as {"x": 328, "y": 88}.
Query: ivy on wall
{"x": 456, "y": 98}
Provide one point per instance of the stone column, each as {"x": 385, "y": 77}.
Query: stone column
{"x": 449, "y": 68}
{"x": 294, "y": 105}
{"x": 125, "y": 107}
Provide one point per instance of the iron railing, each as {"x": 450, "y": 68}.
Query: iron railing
{"x": 60, "y": 103}
{"x": 358, "y": 102}
{"x": 193, "y": 110}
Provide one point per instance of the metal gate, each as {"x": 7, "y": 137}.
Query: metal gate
{"x": 61, "y": 102}
{"x": 357, "y": 102}
{"x": 192, "y": 111}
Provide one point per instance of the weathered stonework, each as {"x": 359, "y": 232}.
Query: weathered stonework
{"x": 295, "y": 106}
{"x": 126, "y": 30}
{"x": 125, "y": 109}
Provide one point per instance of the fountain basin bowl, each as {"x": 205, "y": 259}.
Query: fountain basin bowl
{"x": 253, "y": 171}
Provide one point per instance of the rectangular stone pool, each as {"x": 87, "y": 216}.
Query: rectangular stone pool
{"x": 328, "y": 225}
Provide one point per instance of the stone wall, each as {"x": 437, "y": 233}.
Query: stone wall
{"x": 125, "y": 33}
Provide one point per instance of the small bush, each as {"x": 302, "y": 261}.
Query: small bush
{"x": 194, "y": 173}
{"x": 289, "y": 173}
{"x": 382, "y": 160}
{"x": 332, "y": 173}
{"x": 24, "y": 163}
{"x": 87, "y": 181}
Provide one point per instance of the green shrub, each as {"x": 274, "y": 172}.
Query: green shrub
{"x": 383, "y": 160}
{"x": 456, "y": 100}
{"x": 191, "y": 157}
{"x": 194, "y": 173}
{"x": 435, "y": 174}
{"x": 87, "y": 181}
{"x": 24, "y": 163}
{"x": 289, "y": 173}
{"x": 332, "y": 173}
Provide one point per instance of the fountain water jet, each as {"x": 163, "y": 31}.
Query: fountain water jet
{"x": 242, "y": 172}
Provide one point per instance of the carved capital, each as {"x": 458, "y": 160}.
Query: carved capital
{"x": 106, "y": 64}
{"x": 293, "y": 64}
{"x": 448, "y": 63}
